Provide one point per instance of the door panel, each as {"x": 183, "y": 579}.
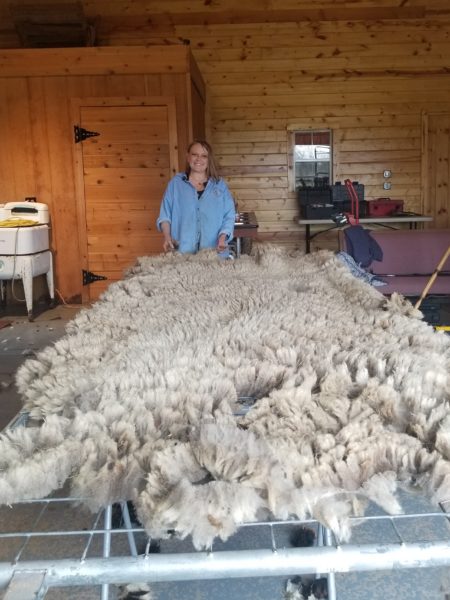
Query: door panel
{"x": 437, "y": 173}
{"x": 125, "y": 171}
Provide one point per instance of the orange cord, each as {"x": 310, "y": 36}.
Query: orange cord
{"x": 64, "y": 303}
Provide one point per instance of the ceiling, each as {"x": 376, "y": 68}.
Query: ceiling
{"x": 62, "y": 23}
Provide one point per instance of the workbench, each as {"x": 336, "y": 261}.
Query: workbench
{"x": 391, "y": 222}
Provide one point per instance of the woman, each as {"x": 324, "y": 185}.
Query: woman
{"x": 197, "y": 210}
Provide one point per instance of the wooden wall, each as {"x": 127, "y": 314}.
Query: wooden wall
{"x": 374, "y": 71}
{"x": 370, "y": 78}
{"x": 37, "y": 144}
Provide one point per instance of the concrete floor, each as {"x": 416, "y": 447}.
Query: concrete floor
{"x": 20, "y": 339}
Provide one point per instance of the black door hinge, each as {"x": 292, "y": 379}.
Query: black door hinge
{"x": 81, "y": 134}
{"x": 89, "y": 277}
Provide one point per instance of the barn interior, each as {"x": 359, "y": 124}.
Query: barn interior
{"x": 99, "y": 100}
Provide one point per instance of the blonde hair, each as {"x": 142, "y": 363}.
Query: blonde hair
{"x": 212, "y": 171}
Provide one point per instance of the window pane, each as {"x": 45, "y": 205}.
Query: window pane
{"x": 312, "y": 158}
{"x": 321, "y": 137}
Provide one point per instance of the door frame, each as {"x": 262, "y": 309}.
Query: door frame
{"x": 76, "y": 104}
{"x": 425, "y": 146}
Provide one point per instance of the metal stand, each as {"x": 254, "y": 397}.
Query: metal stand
{"x": 26, "y": 267}
{"x": 109, "y": 556}
{"x": 23, "y": 578}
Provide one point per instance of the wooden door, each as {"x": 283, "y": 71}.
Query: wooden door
{"x": 436, "y": 172}
{"x": 125, "y": 170}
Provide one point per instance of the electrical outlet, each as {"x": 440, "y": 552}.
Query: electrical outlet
{"x": 387, "y": 185}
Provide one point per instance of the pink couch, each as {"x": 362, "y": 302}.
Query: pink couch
{"x": 410, "y": 256}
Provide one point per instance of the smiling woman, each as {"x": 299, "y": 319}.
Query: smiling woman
{"x": 197, "y": 210}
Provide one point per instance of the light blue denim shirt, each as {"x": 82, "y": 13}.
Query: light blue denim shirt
{"x": 196, "y": 223}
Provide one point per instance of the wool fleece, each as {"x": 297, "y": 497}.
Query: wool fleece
{"x": 142, "y": 398}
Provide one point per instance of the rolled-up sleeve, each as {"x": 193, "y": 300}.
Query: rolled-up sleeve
{"x": 229, "y": 214}
{"x": 165, "y": 212}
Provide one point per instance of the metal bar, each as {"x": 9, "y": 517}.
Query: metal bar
{"x": 25, "y": 585}
{"x": 328, "y": 540}
{"x": 59, "y": 533}
{"x": 127, "y": 522}
{"x": 235, "y": 564}
{"x": 94, "y": 531}
{"x": 28, "y": 537}
{"x": 273, "y": 540}
{"x": 238, "y": 246}
{"x": 19, "y": 420}
{"x": 107, "y": 547}
{"x": 397, "y": 532}
{"x": 90, "y": 537}
{"x": 307, "y": 238}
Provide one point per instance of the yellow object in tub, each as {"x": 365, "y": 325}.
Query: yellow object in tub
{"x": 17, "y": 222}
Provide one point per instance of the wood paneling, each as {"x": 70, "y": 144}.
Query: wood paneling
{"x": 17, "y": 170}
{"x": 367, "y": 69}
{"x": 37, "y": 148}
{"x": 437, "y": 174}
{"x": 369, "y": 82}
{"x": 127, "y": 164}
{"x": 106, "y": 61}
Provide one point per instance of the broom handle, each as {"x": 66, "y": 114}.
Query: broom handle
{"x": 433, "y": 277}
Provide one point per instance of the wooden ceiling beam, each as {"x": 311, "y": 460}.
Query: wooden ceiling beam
{"x": 104, "y": 60}
{"x": 268, "y": 16}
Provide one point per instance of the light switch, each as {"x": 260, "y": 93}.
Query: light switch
{"x": 387, "y": 173}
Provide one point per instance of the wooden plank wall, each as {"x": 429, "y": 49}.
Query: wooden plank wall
{"x": 36, "y": 149}
{"x": 369, "y": 81}
{"x": 371, "y": 70}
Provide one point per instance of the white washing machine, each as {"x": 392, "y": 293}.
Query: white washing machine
{"x": 25, "y": 249}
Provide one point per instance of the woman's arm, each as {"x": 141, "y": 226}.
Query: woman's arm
{"x": 228, "y": 220}
{"x": 165, "y": 218}
{"x": 169, "y": 243}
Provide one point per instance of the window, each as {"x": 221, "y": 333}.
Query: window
{"x": 312, "y": 158}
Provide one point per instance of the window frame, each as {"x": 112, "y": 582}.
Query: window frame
{"x": 291, "y": 158}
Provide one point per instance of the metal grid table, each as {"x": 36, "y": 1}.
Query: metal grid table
{"x": 101, "y": 555}
{"x": 40, "y": 548}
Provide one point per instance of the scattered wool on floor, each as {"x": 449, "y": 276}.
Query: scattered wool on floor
{"x": 138, "y": 400}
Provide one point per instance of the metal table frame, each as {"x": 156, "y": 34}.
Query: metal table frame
{"x": 387, "y": 222}
{"x": 25, "y": 579}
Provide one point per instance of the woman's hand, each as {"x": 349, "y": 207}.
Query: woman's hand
{"x": 222, "y": 242}
{"x": 168, "y": 244}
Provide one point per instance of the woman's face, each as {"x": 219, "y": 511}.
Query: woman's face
{"x": 197, "y": 159}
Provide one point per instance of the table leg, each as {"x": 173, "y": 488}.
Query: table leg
{"x": 2, "y": 293}
{"x": 238, "y": 247}
{"x": 27, "y": 279}
{"x": 308, "y": 238}
{"x": 49, "y": 277}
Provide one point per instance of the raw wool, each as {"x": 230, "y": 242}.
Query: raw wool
{"x": 138, "y": 399}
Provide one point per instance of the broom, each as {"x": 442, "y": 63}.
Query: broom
{"x": 433, "y": 277}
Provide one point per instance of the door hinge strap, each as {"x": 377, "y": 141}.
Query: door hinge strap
{"x": 89, "y": 277}
{"x": 81, "y": 134}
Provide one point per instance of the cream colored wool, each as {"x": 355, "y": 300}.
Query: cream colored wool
{"x": 137, "y": 400}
